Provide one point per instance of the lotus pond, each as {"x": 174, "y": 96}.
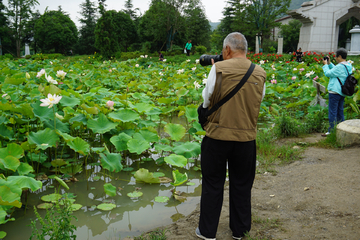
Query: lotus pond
{"x": 122, "y": 135}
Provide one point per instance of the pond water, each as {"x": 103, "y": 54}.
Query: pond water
{"x": 131, "y": 217}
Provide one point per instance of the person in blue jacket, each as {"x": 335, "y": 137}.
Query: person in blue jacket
{"x": 336, "y": 97}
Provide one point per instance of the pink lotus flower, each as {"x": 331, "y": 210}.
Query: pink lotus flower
{"x": 110, "y": 104}
{"x": 316, "y": 77}
{"x": 293, "y": 78}
{"x": 273, "y": 81}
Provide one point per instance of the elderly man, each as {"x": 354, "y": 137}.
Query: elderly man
{"x": 230, "y": 139}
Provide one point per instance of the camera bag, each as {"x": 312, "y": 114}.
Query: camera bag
{"x": 348, "y": 88}
{"x": 204, "y": 113}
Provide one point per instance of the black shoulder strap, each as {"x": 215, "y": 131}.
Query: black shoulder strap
{"x": 233, "y": 92}
{"x": 347, "y": 72}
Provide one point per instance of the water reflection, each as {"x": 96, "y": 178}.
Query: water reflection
{"x": 131, "y": 217}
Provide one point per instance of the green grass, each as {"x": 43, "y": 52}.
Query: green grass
{"x": 157, "y": 234}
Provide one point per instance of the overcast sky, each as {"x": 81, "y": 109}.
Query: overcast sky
{"x": 213, "y": 8}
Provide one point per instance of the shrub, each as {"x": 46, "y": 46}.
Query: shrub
{"x": 286, "y": 126}
{"x": 315, "y": 122}
{"x": 200, "y": 49}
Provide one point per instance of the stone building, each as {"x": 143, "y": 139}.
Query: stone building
{"x": 321, "y": 20}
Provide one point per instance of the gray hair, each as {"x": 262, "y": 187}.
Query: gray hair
{"x": 341, "y": 52}
{"x": 236, "y": 41}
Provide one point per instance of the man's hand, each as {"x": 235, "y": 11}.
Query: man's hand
{"x": 212, "y": 61}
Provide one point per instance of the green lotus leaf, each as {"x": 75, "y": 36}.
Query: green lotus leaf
{"x": 80, "y": 118}
{"x": 15, "y": 79}
{"x": 2, "y": 234}
{"x": 44, "y": 205}
{"x": 67, "y": 201}
{"x": 40, "y": 157}
{"x": 75, "y": 207}
{"x": 110, "y": 189}
{"x": 176, "y": 131}
{"x": 52, "y": 89}
{"x": 137, "y": 146}
{"x": 134, "y": 194}
{"x": 65, "y": 136}
{"x": 24, "y": 169}
{"x": 179, "y": 178}
{"x": 69, "y": 101}
{"x": 79, "y": 145}
{"x": 6, "y": 133}
{"x": 62, "y": 183}
{"x": 191, "y": 114}
{"x": 9, "y": 198}
{"x": 97, "y": 149}
{"x": 3, "y": 216}
{"x": 149, "y": 136}
{"x": 188, "y": 149}
{"x": 162, "y": 199}
{"x": 58, "y": 162}
{"x": 71, "y": 169}
{"x": 128, "y": 169}
{"x": 54, "y": 197}
{"x": 43, "y": 139}
{"x": 101, "y": 125}
{"x": 158, "y": 174}
{"x": 165, "y": 100}
{"x": 176, "y": 160}
{"x": 9, "y": 162}
{"x": 125, "y": 115}
{"x": 161, "y": 147}
{"x": 143, "y": 175}
{"x": 120, "y": 141}
{"x": 12, "y": 149}
{"x": 43, "y": 113}
{"x": 91, "y": 110}
{"x": 25, "y": 182}
{"x": 143, "y": 107}
{"x": 106, "y": 206}
{"x": 111, "y": 161}
{"x": 25, "y": 109}
{"x": 63, "y": 127}
{"x": 181, "y": 92}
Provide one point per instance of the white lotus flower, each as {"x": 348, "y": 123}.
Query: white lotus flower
{"x": 146, "y": 56}
{"x": 61, "y": 74}
{"x": 137, "y": 65}
{"x": 50, "y": 100}
{"x": 197, "y": 85}
{"x": 142, "y": 56}
{"x": 59, "y": 116}
{"x": 161, "y": 74}
{"x": 204, "y": 81}
{"x": 188, "y": 60}
{"x": 194, "y": 68}
{"x": 262, "y": 61}
{"x": 273, "y": 76}
{"x": 351, "y": 62}
{"x": 197, "y": 60}
{"x": 50, "y": 79}
{"x": 180, "y": 71}
{"x": 42, "y": 72}
{"x": 295, "y": 69}
{"x": 164, "y": 60}
{"x": 308, "y": 75}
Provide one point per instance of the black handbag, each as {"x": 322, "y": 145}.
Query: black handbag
{"x": 204, "y": 113}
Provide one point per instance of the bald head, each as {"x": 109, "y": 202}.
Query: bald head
{"x": 236, "y": 41}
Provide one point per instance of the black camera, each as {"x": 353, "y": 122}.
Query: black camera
{"x": 326, "y": 58}
{"x": 205, "y": 60}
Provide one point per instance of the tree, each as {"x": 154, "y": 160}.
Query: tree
{"x": 198, "y": 26}
{"x": 6, "y": 39}
{"x": 29, "y": 31}
{"x": 163, "y": 24}
{"x": 258, "y": 16}
{"x": 114, "y": 32}
{"x": 55, "y": 31}
{"x": 86, "y": 43}
{"x": 291, "y": 33}
{"x": 129, "y": 9}
{"x": 19, "y": 11}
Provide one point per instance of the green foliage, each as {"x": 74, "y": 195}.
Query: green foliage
{"x": 287, "y": 126}
{"x": 55, "y": 31}
{"x": 114, "y": 33}
{"x": 200, "y": 49}
{"x": 86, "y": 43}
{"x": 154, "y": 235}
{"x": 316, "y": 121}
{"x": 290, "y": 33}
{"x": 56, "y": 224}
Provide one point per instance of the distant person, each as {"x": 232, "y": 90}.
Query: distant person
{"x": 188, "y": 47}
{"x": 161, "y": 56}
{"x": 299, "y": 55}
{"x": 336, "y": 97}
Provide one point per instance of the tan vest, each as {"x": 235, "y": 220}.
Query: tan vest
{"x": 236, "y": 120}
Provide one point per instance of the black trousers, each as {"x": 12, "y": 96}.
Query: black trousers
{"x": 241, "y": 159}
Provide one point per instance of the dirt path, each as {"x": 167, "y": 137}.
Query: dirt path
{"x": 317, "y": 197}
